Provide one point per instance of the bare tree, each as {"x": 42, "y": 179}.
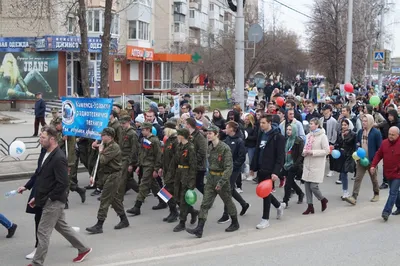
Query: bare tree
{"x": 105, "y": 51}
{"x": 84, "y": 50}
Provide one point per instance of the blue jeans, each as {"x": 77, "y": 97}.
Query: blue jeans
{"x": 250, "y": 152}
{"x": 5, "y": 222}
{"x": 345, "y": 181}
{"x": 394, "y": 196}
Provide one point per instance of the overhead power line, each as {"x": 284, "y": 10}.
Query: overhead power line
{"x": 291, "y": 8}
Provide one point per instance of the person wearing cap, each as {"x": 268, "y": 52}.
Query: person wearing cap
{"x": 54, "y": 113}
{"x": 129, "y": 149}
{"x": 110, "y": 162}
{"x": 183, "y": 169}
{"x": 330, "y": 125}
{"x": 170, "y": 149}
{"x": 220, "y": 170}
{"x": 40, "y": 113}
{"x": 114, "y": 123}
{"x": 149, "y": 165}
{"x": 69, "y": 151}
{"x": 200, "y": 146}
{"x": 117, "y": 107}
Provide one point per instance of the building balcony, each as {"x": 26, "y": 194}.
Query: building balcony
{"x": 180, "y": 1}
{"x": 194, "y": 4}
{"x": 179, "y": 37}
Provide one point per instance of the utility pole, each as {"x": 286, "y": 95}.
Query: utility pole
{"x": 239, "y": 54}
{"x": 381, "y": 46}
{"x": 349, "y": 44}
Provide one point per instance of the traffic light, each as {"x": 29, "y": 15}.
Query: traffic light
{"x": 232, "y": 6}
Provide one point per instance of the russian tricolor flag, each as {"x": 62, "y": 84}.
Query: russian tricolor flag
{"x": 164, "y": 195}
{"x": 146, "y": 144}
{"x": 199, "y": 124}
{"x": 252, "y": 112}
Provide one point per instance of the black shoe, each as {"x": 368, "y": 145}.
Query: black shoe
{"x": 396, "y": 212}
{"x": 234, "y": 225}
{"x": 385, "y": 216}
{"x": 136, "y": 209}
{"x": 173, "y": 218}
{"x": 66, "y": 206}
{"x": 11, "y": 231}
{"x": 97, "y": 228}
{"x": 99, "y": 198}
{"x": 224, "y": 219}
{"x": 96, "y": 192}
{"x": 301, "y": 198}
{"x": 123, "y": 223}
{"x": 194, "y": 214}
{"x": 82, "y": 194}
{"x": 89, "y": 187}
{"x": 161, "y": 205}
{"x": 384, "y": 186}
{"x": 180, "y": 227}
{"x": 165, "y": 219}
{"x": 244, "y": 209}
{"x": 198, "y": 231}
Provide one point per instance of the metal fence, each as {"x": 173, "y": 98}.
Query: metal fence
{"x": 32, "y": 151}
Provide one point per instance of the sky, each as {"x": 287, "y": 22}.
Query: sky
{"x": 296, "y": 22}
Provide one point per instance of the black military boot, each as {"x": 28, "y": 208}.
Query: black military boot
{"x": 180, "y": 227}
{"x": 82, "y": 193}
{"x": 173, "y": 216}
{"x": 161, "y": 205}
{"x": 194, "y": 213}
{"x": 97, "y": 228}
{"x": 234, "y": 225}
{"x": 136, "y": 209}
{"x": 123, "y": 223}
{"x": 198, "y": 231}
{"x": 96, "y": 192}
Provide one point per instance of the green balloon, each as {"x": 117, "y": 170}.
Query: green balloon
{"x": 375, "y": 100}
{"x": 190, "y": 197}
{"x": 364, "y": 161}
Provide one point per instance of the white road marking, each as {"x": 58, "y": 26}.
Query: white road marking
{"x": 206, "y": 250}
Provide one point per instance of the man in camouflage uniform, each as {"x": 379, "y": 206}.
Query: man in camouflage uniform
{"x": 54, "y": 113}
{"x": 129, "y": 147}
{"x": 170, "y": 149}
{"x": 71, "y": 157}
{"x": 183, "y": 168}
{"x": 114, "y": 123}
{"x": 220, "y": 170}
{"x": 110, "y": 161}
{"x": 149, "y": 165}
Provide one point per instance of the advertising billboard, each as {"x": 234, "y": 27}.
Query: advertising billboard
{"x": 22, "y": 74}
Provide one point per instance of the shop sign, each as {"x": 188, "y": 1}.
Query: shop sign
{"x": 72, "y": 44}
{"x": 139, "y": 53}
{"x": 16, "y": 44}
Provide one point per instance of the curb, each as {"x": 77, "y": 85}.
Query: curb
{"x": 26, "y": 175}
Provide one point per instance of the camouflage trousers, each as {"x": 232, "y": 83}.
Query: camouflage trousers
{"x": 184, "y": 208}
{"x": 148, "y": 182}
{"x": 210, "y": 194}
{"x": 110, "y": 196}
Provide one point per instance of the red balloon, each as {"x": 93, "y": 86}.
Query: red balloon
{"x": 165, "y": 139}
{"x": 391, "y": 96}
{"x": 280, "y": 101}
{"x": 264, "y": 188}
{"x": 349, "y": 87}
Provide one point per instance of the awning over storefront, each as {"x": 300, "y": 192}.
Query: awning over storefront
{"x": 139, "y": 53}
{"x": 178, "y": 58}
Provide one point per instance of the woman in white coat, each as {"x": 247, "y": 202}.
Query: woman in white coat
{"x": 315, "y": 151}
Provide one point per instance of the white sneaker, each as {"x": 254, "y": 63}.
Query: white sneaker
{"x": 30, "y": 256}
{"x": 279, "y": 211}
{"x": 263, "y": 224}
{"x": 330, "y": 174}
{"x": 239, "y": 190}
{"x": 346, "y": 194}
{"x": 338, "y": 182}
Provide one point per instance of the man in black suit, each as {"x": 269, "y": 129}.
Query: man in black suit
{"x": 51, "y": 188}
{"x": 40, "y": 113}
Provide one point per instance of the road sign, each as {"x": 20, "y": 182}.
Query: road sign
{"x": 379, "y": 56}
{"x": 255, "y": 33}
{"x": 395, "y": 70}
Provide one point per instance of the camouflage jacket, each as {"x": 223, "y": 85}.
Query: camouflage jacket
{"x": 200, "y": 146}
{"x": 150, "y": 152}
{"x": 183, "y": 166}
{"x": 110, "y": 158}
{"x": 170, "y": 149}
{"x": 220, "y": 160}
{"x": 71, "y": 147}
{"x": 130, "y": 146}
{"x": 118, "y": 130}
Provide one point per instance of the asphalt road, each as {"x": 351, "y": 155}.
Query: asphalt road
{"x": 343, "y": 235}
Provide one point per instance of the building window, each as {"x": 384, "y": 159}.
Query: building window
{"x": 191, "y": 13}
{"x": 211, "y": 7}
{"x": 179, "y": 18}
{"x": 96, "y": 21}
{"x": 71, "y": 24}
{"x": 132, "y": 29}
{"x": 176, "y": 27}
{"x": 115, "y": 24}
{"x": 143, "y": 31}
{"x": 90, "y": 20}
{"x": 138, "y": 30}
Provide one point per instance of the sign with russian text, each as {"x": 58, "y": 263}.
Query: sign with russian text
{"x": 16, "y": 44}
{"x": 85, "y": 117}
{"x": 139, "y": 53}
{"x": 72, "y": 44}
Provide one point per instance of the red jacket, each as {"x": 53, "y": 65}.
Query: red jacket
{"x": 390, "y": 152}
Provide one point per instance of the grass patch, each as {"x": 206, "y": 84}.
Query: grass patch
{"x": 221, "y": 105}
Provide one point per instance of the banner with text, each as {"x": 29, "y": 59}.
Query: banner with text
{"x": 85, "y": 117}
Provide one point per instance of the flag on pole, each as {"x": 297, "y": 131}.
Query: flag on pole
{"x": 164, "y": 194}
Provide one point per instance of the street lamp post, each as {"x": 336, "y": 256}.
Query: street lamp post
{"x": 349, "y": 44}
{"x": 239, "y": 54}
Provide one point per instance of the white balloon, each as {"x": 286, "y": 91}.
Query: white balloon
{"x": 17, "y": 148}
{"x": 246, "y": 134}
{"x": 305, "y": 123}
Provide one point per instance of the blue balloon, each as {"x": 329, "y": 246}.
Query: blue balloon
{"x": 154, "y": 131}
{"x": 335, "y": 154}
{"x": 361, "y": 153}
{"x": 303, "y": 115}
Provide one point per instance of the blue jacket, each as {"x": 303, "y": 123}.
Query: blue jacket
{"x": 374, "y": 142}
{"x": 40, "y": 108}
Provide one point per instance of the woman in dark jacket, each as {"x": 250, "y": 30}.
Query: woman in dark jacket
{"x": 293, "y": 167}
{"x": 346, "y": 144}
{"x": 37, "y": 211}
{"x": 218, "y": 120}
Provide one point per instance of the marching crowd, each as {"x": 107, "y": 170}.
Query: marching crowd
{"x": 287, "y": 137}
